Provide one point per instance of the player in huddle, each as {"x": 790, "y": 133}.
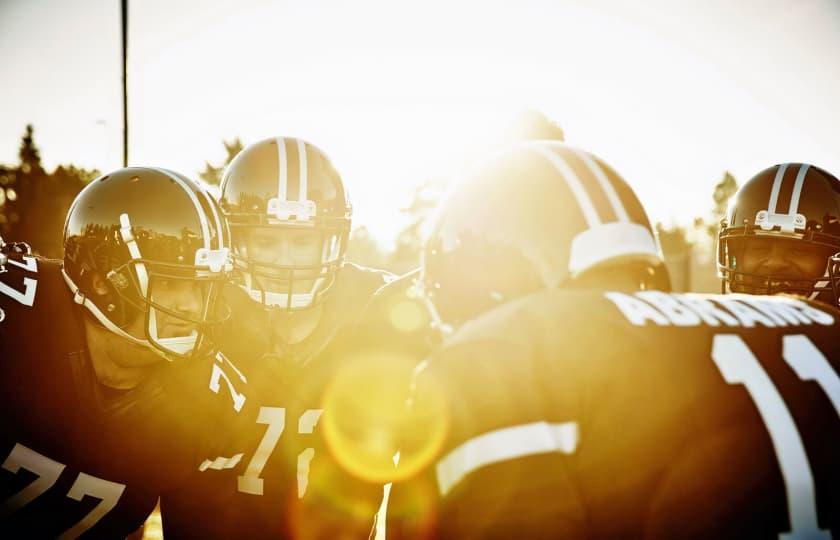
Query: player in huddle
{"x": 109, "y": 376}
{"x": 781, "y": 234}
{"x": 295, "y": 307}
{"x": 577, "y": 398}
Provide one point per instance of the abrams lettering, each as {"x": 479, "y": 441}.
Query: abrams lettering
{"x": 733, "y": 310}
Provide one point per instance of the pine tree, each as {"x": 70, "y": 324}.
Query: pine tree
{"x": 30, "y": 156}
{"x": 212, "y": 174}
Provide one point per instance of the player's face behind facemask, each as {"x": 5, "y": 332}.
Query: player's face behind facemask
{"x": 781, "y": 233}
{"x": 178, "y": 307}
{"x": 772, "y": 265}
{"x": 282, "y": 260}
{"x": 539, "y": 216}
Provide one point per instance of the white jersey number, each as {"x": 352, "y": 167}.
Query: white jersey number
{"x": 48, "y": 472}
{"x": 218, "y": 374}
{"x": 738, "y": 365}
{"x": 27, "y": 297}
{"x": 275, "y": 418}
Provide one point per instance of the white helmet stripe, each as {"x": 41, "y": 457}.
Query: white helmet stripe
{"x": 302, "y": 194}
{"x": 797, "y": 189}
{"x": 134, "y": 250}
{"x": 606, "y": 185}
{"x": 282, "y": 169}
{"x": 777, "y": 185}
{"x": 202, "y": 218}
{"x": 579, "y": 192}
{"x": 219, "y": 231}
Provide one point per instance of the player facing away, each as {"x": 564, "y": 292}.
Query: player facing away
{"x": 781, "y": 234}
{"x": 577, "y": 398}
{"x": 106, "y": 356}
{"x": 294, "y": 306}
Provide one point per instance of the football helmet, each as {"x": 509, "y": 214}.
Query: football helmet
{"x": 286, "y": 186}
{"x": 795, "y": 205}
{"x": 134, "y": 233}
{"x": 540, "y": 216}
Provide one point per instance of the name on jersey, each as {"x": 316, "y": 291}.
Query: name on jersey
{"x": 673, "y": 309}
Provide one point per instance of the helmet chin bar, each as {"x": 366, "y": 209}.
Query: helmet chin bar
{"x": 294, "y": 301}
{"x": 734, "y": 281}
{"x": 179, "y": 344}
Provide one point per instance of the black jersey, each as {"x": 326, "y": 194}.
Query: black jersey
{"x": 80, "y": 459}
{"x": 270, "y": 493}
{"x": 583, "y": 414}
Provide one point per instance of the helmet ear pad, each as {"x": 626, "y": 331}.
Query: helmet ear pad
{"x": 114, "y": 303}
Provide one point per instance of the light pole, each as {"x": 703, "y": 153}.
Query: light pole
{"x": 124, "y": 13}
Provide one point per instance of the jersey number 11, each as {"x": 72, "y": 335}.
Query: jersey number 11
{"x": 738, "y": 365}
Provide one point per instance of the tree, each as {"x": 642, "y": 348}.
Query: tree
{"x": 409, "y": 241}
{"x": 363, "y": 249}
{"x": 30, "y": 156}
{"x": 724, "y": 190}
{"x": 33, "y": 203}
{"x": 532, "y": 125}
{"x": 212, "y": 174}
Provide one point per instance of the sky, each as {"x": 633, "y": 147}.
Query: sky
{"x": 670, "y": 93}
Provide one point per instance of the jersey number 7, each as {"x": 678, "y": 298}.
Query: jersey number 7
{"x": 48, "y": 472}
{"x": 738, "y": 365}
{"x": 275, "y": 418}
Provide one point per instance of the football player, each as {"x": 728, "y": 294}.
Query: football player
{"x": 781, "y": 234}
{"x": 576, "y": 398}
{"x": 105, "y": 357}
{"x": 293, "y": 313}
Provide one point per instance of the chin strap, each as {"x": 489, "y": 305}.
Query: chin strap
{"x": 80, "y": 298}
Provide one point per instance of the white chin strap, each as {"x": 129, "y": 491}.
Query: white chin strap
{"x": 176, "y": 344}
{"x": 83, "y": 300}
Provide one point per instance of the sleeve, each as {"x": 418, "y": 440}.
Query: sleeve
{"x": 483, "y": 456}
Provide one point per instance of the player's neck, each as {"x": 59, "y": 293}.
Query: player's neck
{"x": 110, "y": 354}
{"x": 294, "y": 327}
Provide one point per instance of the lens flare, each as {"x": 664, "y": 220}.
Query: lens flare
{"x": 367, "y": 420}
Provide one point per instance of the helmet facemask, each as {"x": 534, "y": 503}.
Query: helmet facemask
{"x": 739, "y": 274}
{"x": 290, "y": 266}
{"x": 180, "y": 304}
{"x": 781, "y": 230}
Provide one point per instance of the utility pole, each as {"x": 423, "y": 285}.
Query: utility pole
{"x": 124, "y": 14}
